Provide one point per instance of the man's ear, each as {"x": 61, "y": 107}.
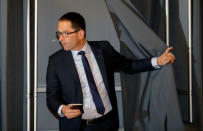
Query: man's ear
{"x": 81, "y": 34}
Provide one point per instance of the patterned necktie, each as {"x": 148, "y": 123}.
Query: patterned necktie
{"x": 93, "y": 89}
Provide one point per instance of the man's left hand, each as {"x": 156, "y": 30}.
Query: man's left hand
{"x": 166, "y": 57}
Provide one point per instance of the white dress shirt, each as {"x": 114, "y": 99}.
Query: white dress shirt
{"x": 90, "y": 111}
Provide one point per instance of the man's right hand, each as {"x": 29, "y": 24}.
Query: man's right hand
{"x": 70, "y": 113}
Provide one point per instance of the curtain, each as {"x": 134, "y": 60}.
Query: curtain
{"x": 150, "y": 99}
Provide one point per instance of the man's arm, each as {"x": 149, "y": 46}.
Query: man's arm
{"x": 122, "y": 63}
{"x": 139, "y": 65}
{"x": 53, "y": 88}
{"x": 53, "y": 92}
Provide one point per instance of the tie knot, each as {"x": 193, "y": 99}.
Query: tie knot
{"x": 81, "y": 53}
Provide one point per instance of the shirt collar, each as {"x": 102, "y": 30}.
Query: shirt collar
{"x": 86, "y": 48}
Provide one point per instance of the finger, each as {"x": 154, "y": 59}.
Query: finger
{"x": 74, "y": 110}
{"x": 69, "y": 116}
{"x": 171, "y": 56}
{"x": 71, "y": 112}
{"x": 72, "y": 115}
{"x": 168, "y": 49}
{"x": 77, "y": 114}
{"x": 172, "y": 60}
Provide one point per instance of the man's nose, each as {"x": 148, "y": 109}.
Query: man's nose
{"x": 61, "y": 38}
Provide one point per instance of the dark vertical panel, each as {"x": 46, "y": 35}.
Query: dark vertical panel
{"x": 25, "y": 2}
{"x": 181, "y": 66}
{"x": 197, "y": 62}
{"x": 15, "y": 65}
{"x": 32, "y": 26}
{"x": 201, "y": 33}
{"x": 0, "y": 78}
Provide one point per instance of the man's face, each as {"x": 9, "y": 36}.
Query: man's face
{"x": 72, "y": 41}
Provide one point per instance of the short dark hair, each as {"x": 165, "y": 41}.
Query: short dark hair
{"x": 77, "y": 20}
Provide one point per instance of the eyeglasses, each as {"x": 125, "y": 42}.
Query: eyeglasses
{"x": 64, "y": 34}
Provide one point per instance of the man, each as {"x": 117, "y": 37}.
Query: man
{"x": 82, "y": 73}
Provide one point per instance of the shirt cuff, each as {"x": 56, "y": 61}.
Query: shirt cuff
{"x": 154, "y": 63}
{"x": 59, "y": 111}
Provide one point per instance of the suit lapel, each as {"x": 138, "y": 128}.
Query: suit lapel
{"x": 100, "y": 61}
{"x": 70, "y": 64}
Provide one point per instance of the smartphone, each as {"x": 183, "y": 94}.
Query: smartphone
{"x": 77, "y": 106}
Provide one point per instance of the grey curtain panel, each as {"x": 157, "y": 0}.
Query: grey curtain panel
{"x": 149, "y": 99}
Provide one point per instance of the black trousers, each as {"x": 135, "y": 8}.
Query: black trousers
{"x": 107, "y": 125}
{"x": 109, "y": 122}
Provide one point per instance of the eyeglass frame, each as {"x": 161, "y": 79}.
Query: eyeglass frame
{"x": 58, "y": 34}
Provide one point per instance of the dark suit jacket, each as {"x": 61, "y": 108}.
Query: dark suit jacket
{"x": 63, "y": 84}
